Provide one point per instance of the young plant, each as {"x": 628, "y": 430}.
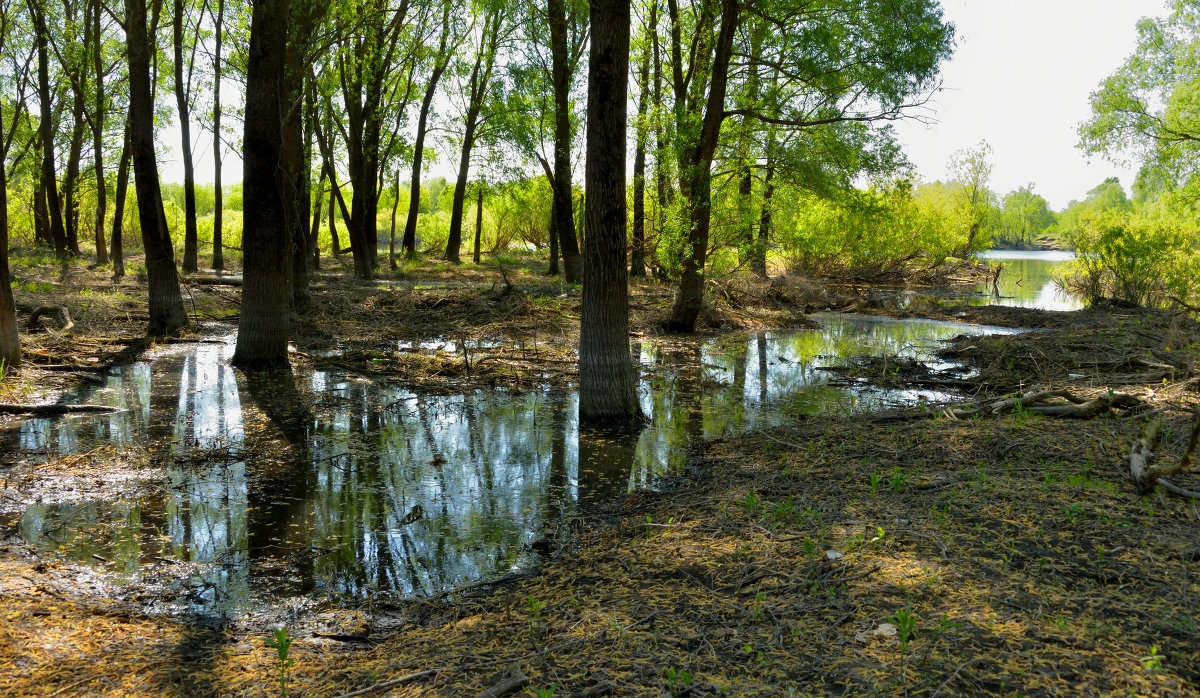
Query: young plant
{"x": 282, "y": 643}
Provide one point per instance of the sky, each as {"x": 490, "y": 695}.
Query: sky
{"x": 1020, "y": 79}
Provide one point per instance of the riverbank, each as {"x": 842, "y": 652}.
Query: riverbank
{"x": 984, "y": 556}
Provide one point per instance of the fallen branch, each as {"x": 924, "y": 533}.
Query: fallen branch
{"x": 515, "y": 680}
{"x": 1146, "y": 474}
{"x": 57, "y": 409}
{"x": 56, "y": 311}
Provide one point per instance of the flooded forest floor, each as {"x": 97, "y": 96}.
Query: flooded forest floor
{"x": 902, "y": 553}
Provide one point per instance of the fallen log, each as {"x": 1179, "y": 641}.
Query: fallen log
{"x": 47, "y": 410}
{"x": 59, "y": 312}
{"x": 1146, "y": 474}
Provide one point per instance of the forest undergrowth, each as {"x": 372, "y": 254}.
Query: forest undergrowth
{"x": 910, "y": 553}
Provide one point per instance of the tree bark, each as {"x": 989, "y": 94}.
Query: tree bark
{"x": 166, "y": 304}
{"x": 758, "y": 262}
{"x": 70, "y": 190}
{"x": 117, "y": 237}
{"x": 414, "y": 196}
{"x": 58, "y": 233}
{"x": 10, "y": 341}
{"x": 561, "y": 78}
{"x": 218, "y": 251}
{"x": 637, "y": 257}
{"x": 98, "y": 117}
{"x": 607, "y": 377}
{"x": 478, "y": 223}
{"x": 690, "y": 297}
{"x": 185, "y": 127}
{"x": 266, "y": 235}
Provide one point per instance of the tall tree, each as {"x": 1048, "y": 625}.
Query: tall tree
{"x": 607, "y": 377}
{"x": 182, "y": 88}
{"x": 218, "y": 252}
{"x": 561, "y": 71}
{"x": 440, "y": 60}
{"x": 99, "y": 113}
{"x": 266, "y": 175}
{"x": 49, "y": 179}
{"x": 15, "y": 82}
{"x": 493, "y": 21}
{"x": 844, "y": 65}
{"x": 637, "y": 255}
{"x": 166, "y": 303}
{"x": 116, "y": 239}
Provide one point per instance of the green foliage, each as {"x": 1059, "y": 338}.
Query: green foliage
{"x": 281, "y": 642}
{"x": 1144, "y": 258}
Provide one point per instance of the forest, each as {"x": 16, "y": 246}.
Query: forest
{"x": 582, "y": 347}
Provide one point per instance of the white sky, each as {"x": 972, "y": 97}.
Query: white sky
{"x": 1020, "y": 79}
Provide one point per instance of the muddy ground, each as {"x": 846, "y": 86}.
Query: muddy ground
{"x": 901, "y": 554}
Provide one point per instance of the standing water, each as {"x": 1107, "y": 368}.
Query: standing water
{"x": 324, "y": 487}
{"x": 1028, "y": 279}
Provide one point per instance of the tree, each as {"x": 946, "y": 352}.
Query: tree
{"x": 182, "y": 88}
{"x": 843, "y": 67}
{"x": 1025, "y": 216}
{"x": 607, "y": 377}
{"x": 495, "y": 26}
{"x": 440, "y": 60}
{"x": 971, "y": 169}
{"x": 14, "y": 78}
{"x": 279, "y": 32}
{"x": 166, "y": 303}
{"x": 561, "y": 70}
{"x": 1149, "y": 109}
{"x": 49, "y": 181}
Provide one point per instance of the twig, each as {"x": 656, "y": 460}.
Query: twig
{"x": 389, "y": 684}
{"x": 945, "y": 683}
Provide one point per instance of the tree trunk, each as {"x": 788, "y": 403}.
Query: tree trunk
{"x": 10, "y": 342}
{"x": 637, "y": 257}
{"x": 98, "y": 136}
{"x": 70, "y": 194}
{"x": 690, "y": 297}
{"x": 454, "y": 240}
{"x": 553, "y": 229}
{"x": 266, "y": 239}
{"x": 185, "y": 127}
{"x": 335, "y": 243}
{"x": 607, "y": 377}
{"x": 118, "y": 224}
{"x": 392, "y": 232}
{"x": 58, "y": 233}
{"x": 561, "y": 78}
{"x": 478, "y": 223}
{"x": 758, "y": 263}
{"x": 166, "y": 303}
{"x": 218, "y": 251}
{"x": 41, "y": 214}
{"x": 414, "y": 194}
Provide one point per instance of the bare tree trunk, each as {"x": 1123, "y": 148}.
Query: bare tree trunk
{"x": 266, "y": 237}
{"x": 553, "y": 229}
{"x": 758, "y": 263}
{"x": 70, "y": 193}
{"x": 190, "y": 242}
{"x": 690, "y": 297}
{"x": 560, "y": 76}
{"x": 118, "y": 224}
{"x": 218, "y": 251}
{"x": 166, "y": 304}
{"x": 98, "y": 135}
{"x": 10, "y": 341}
{"x": 637, "y": 257}
{"x": 414, "y": 195}
{"x": 58, "y": 233}
{"x": 478, "y": 223}
{"x": 607, "y": 377}
{"x": 392, "y": 233}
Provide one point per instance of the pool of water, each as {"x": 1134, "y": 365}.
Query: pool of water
{"x": 385, "y": 492}
{"x": 1027, "y": 281}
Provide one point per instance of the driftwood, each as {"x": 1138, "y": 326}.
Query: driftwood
{"x": 59, "y": 312}
{"x": 1035, "y": 401}
{"x": 1146, "y": 474}
{"x": 515, "y": 680}
{"x": 45, "y": 410}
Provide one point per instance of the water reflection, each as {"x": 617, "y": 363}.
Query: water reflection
{"x": 1027, "y": 281}
{"x": 329, "y": 486}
